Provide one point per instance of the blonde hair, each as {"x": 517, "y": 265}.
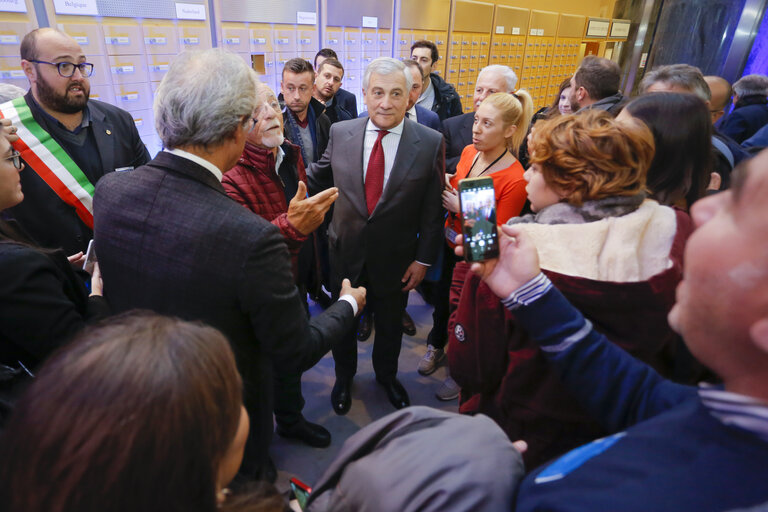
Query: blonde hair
{"x": 591, "y": 155}
{"x": 515, "y": 109}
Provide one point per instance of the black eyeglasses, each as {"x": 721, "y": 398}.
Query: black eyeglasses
{"x": 67, "y": 69}
{"x": 15, "y": 158}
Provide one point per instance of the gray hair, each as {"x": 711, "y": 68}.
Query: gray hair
{"x": 10, "y": 92}
{"x": 505, "y": 71}
{"x": 203, "y": 98}
{"x": 751, "y": 85}
{"x": 682, "y": 76}
{"x": 387, "y": 66}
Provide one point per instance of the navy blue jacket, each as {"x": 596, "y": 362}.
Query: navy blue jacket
{"x": 749, "y": 115}
{"x": 668, "y": 453}
{"x": 347, "y": 101}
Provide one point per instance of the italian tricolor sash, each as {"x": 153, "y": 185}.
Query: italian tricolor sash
{"x": 47, "y": 158}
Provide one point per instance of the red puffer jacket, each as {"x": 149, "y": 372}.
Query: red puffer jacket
{"x": 254, "y": 183}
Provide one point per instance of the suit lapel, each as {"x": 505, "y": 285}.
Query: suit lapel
{"x": 188, "y": 169}
{"x": 350, "y": 178}
{"x": 404, "y": 159}
{"x": 104, "y": 133}
{"x": 466, "y": 130}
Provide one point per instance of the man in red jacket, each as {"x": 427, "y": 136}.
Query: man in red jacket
{"x": 270, "y": 180}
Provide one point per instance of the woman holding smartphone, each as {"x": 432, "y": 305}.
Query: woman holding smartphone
{"x": 501, "y": 123}
{"x": 614, "y": 253}
{"x": 43, "y": 300}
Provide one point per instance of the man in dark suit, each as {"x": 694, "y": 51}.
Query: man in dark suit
{"x": 97, "y": 137}
{"x": 345, "y": 99}
{"x": 169, "y": 239}
{"x": 387, "y": 222}
{"x": 328, "y": 78}
{"x": 416, "y": 112}
{"x": 458, "y": 130}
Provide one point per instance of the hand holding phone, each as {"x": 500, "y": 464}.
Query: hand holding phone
{"x": 90, "y": 258}
{"x": 477, "y": 201}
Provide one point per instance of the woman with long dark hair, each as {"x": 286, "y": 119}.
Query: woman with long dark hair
{"x": 681, "y": 125}
{"x": 143, "y": 413}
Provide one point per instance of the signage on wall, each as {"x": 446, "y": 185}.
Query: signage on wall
{"x": 370, "y": 22}
{"x": 306, "y": 18}
{"x": 598, "y": 28}
{"x": 13, "y": 6}
{"x": 620, "y": 29}
{"x": 86, "y": 7}
{"x": 190, "y": 11}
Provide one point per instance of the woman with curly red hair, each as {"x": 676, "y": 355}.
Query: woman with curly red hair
{"x": 612, "y": 251}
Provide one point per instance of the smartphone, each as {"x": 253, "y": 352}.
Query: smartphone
{"x": 300, "y": 491}
{"x": 90, "y": 258}
{"x": 477, "y": 202}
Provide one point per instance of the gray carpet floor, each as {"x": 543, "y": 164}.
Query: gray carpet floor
{"x": 369, "y": 401}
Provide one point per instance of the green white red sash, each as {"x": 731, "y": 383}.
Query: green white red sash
{"x": 47, "y": 158}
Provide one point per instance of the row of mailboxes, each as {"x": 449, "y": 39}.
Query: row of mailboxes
{"x": 11, "y": 34}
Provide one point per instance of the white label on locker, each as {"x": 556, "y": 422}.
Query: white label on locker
{"x": 138, "y": 122}
{"x": 333, "y": 41}
{"x": 9, "y": 39}
{"x": 370, "y": 22}
{"x": 76, "y": 7}
{"x": 121, "y": 40}
{"x": 540, "y": 32}
{"x": 122, "y": 70}
{"x": 534, "y": 32}
{"x": 305, "y": 40}
{"x": 260, "y": 40}
{"x": 281, "y": 40}
{"x": 500, "y": 29}
{"x": 191, "y": 40}
{"x": 130, "y": 96}
{"x": 190, "y": 11}
{"x": 515, "y": 31}
{"x": 306, "y": 18}
{"x": 13, "y": 6}
{"x": 155, "y": 40}
{"x": 232, "y": 40}
{"x": 12, "y": 73}
{"x": 81, "y": 39}
{"x": 160, "y": 67}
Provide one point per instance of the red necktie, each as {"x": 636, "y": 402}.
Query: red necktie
{"x": 374, "y": 176}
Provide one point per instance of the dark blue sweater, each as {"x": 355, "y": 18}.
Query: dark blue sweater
{"x": 670, "y": 452}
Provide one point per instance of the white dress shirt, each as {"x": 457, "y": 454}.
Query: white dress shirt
{"x": 411, "y": 114}
{"x": 389, "y": 144}
{"x": 200, "y": 161}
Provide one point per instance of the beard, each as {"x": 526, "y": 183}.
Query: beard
{"x": 273, "y": 140}
{"x": 574, "y": 103}
{"x": 63, "y": 103}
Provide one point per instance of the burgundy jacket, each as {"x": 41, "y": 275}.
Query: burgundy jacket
{"x": 503, "y": 373}
{"x": 254, "y": 183}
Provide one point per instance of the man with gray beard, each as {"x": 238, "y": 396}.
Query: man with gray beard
{"x": 270, "y": 180}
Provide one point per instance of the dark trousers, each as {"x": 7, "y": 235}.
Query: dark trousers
{"x": 289, "y": 402}
{"x": 387, "y": 313}
{"x": 441, "y": 290}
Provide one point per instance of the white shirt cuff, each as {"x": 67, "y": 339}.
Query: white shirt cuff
{"x": 425, "y": 264}
{"x": 352, "y": 302}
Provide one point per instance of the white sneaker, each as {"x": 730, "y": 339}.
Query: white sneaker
{"x": 431, "y": 360}
{"x": 448, "y": 390}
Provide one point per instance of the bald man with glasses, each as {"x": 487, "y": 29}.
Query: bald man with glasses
{"x": 67, "y": 141}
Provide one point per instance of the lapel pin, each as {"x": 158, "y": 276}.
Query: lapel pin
{"x": 109, "y": 132}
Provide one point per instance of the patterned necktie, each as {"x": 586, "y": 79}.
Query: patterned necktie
{"x": 374, "y": 176}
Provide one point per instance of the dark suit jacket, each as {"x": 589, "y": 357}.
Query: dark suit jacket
{"x": 406, "y": 224}
{"x": 48, "y": 219}
{"x": 170, "y": 240}
{"x": 347, "y": 101}
{"x": 458, "y": 135}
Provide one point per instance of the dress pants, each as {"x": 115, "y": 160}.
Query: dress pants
{"x": 387, "y": 310}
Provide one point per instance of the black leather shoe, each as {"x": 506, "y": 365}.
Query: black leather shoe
{"x": 306, "y": 432}
{"x": 364, "y": 326}
{"x": 396, "y": 393}
{"x": 341, "y": 396}
{"x": 409, "y": 327}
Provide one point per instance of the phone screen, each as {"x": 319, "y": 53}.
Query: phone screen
{"x": 478, "y": 219}
{"x": 90, "y": 258}
{"x": 300, "y": 491}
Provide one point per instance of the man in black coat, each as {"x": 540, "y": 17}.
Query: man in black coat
{"x": 344, "y": 98}
{"x": 169, "y": 239}
{"x": 750, "y": 108}
{"x": 98, "y": 137}
{"x": 438, "y": 95}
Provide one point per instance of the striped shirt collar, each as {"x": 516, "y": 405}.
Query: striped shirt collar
{"x": 199, "y": 161}
{"x": 369, "y": 126}
{"x": 736, "y": 410}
